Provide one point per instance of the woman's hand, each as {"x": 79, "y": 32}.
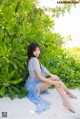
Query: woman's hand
{"x": 56, "y": 80}
{"x": 55, "y": 77}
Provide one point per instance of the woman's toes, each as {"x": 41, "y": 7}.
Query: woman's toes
{"x": 69, "y": 107}
{"x": 71, "y": 110}
{"x": 73, "y": 96}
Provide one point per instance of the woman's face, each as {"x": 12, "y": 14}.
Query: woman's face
{"x": 36, "y": 52}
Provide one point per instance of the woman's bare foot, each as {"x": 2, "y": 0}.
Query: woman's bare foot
{"x": 73, "y": 96}
{"x": 69, "y": 107}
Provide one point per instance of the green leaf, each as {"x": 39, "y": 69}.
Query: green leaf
{"x": 18, "y": 63}
{"x": 10, "y": 75}
{"x": 15, "y": 89}
{"x": 23, "y": 93}
{"x": 2, "y": 91}
{"x": 11, "y": 93}
{"x": 15, "y": 81}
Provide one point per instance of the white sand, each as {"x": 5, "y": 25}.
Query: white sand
{"x": 24, "y": 109}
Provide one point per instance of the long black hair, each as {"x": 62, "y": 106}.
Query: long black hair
{"x": 31, "y": 48}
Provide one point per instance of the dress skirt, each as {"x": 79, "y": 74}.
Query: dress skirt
{"x": 33, "y": 88}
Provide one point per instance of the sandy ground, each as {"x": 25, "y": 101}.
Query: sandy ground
{"x": 24, "y": 109}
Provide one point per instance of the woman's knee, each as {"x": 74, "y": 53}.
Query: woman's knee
{"x": 60, "y": 86}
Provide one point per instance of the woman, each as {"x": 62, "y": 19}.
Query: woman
{"x": 37, "y": 82}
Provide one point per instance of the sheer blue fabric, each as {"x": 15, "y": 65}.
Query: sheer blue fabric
{"x": 33, "y": 85}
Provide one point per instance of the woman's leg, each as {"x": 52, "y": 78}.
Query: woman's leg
{"x": 66, "y": 89}
{"x": 44, "y": 86}
{"x": 65, "y": 101}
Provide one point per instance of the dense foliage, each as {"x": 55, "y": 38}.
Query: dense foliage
{"x": 21, "y": 23}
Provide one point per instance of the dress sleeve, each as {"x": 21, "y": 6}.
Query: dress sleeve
{"x": 45, "y": 70}
{"x": 35, "y": 64}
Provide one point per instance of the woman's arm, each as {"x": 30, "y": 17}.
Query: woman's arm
{"x": 49, "y": 74}
{"x": 45, "y": 71}
{"x": 36, "y": 67}
{"x": 47, "y": 80}
{"x": 38, "y": 73}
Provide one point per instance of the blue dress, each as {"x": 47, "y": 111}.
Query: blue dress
{"x": 33, "y": 85}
